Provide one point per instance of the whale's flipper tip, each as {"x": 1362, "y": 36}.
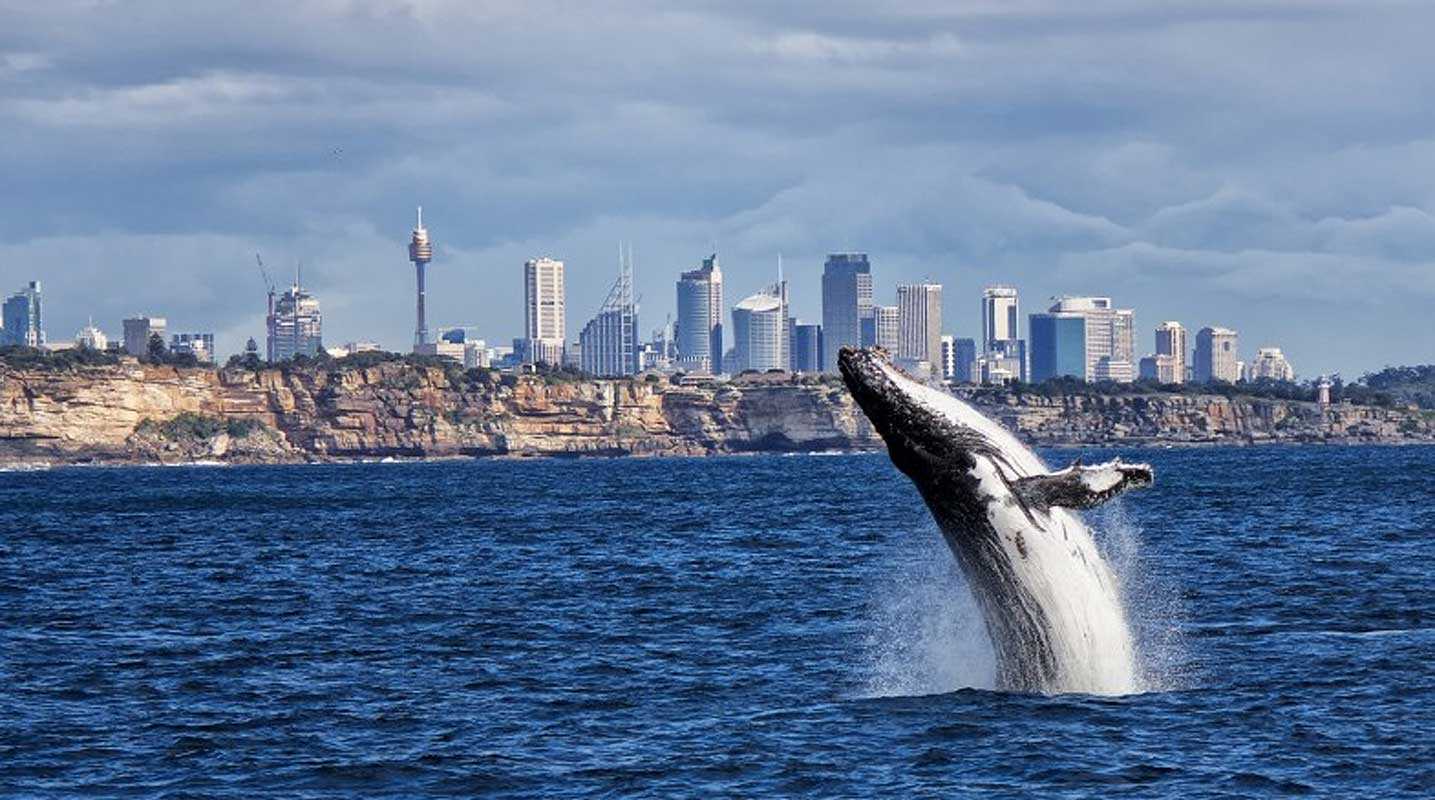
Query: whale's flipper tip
{"x": 1083, "y": 487}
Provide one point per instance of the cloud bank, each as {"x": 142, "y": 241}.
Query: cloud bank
{"x": 1262, "y": 165}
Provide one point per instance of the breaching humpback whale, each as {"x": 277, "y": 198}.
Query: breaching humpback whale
{"x": 1051, "y": 604}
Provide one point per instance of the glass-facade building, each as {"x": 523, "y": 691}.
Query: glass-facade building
{"x": 806, "y": 347}
{"x": 700, "y": 312}
{"x": 846, "y": 301}
{"x": 22, "y": 321}
{"x": 1058, "y": 346}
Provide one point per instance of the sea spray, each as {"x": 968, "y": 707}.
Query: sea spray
{"x": 1152, "y": 601}
{"x": 926, "y": 634}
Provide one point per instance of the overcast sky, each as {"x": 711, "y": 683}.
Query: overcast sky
{"x": 1268, "y": 166}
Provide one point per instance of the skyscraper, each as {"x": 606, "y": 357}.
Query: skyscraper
{"x": 296, "y": 327}
{"x": 1002, "y": 348}
{"x": 23, "y": 324}
{"x": 1000, "y": 315}
{"x": 806, "y": 347}
{"x": 919, "y": 323}
{"x": 543, "y": 311}
{"x": 886, "y": 324}
{"x": 137, "y": 333}
{"x": 1106, "y": 340}
{"x": 965, "y": 361}
{"x": 608, "y": 344}
{"x": 700, "y": 313}
{"x": 1217, "y": 355}
{"x": 1171, "y": 341}
{"x": 846, "y": 300}
{"x": 760, "y": 328}
{"x": 1058, "y": 345}
{"x": 421, "y": 253}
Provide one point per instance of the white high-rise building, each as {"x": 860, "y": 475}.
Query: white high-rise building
{"x": 1217, "y": 355}
{"x": 544, "y": 312}
{"x": 1171, "y": 341}
{"x": 949, "y": 357}
{"x": 1000, "y": 315}
{"x": 760, "y": 331}
{"x": 1270, "y": 363}
{"x": 919, "y": 322}
{"x": 886, "y": 322}
{"x": 1001, "y": 343}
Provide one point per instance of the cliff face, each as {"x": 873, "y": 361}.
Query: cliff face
{"x": 142, "y": 412}
{"x": 134, "y": 412}
{"x": 1193, "y": 419}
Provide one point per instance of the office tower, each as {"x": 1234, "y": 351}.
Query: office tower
{"x": 1106, "y": 341}
{"x": 543, "y": 311}
{"x": 22, "y": 321}
{"x": 806, "y": 346}
{"x": 1217, "y": 355}
{"x": 886, "y": 326}
{"x": 846, "y": 301}
{"x": 1001, "y": 347}
{"x": 608, "y": 344}
{"x": 919, "y": 323}
{"x": 199, "y": 345}
{"x": 296, "y": 326}
{"x": 964, "y": 361}
{"x": 1171, "y": 341}
{"x": 700, "y": 312}
{"x": 1270, "y": 364}
{"x": 760, "y": 329}
{"x": 1058, "y": 345}
{"x": 421, "y": 253}
{"x": 1000, "y": 314}
{"x": 949, "y": 357}
{"x": 137, "y": 333}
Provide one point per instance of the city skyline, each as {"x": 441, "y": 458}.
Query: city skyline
{"x": 1136, "y": 158}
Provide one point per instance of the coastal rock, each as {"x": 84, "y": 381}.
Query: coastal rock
{"x": 137, "y": 412}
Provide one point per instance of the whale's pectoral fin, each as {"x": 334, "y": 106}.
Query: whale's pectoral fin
{"x": 1078, "y": 486}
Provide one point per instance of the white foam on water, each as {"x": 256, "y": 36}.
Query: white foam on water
{"x": 926, "y": 634}
{"x": 1154, "y": 608}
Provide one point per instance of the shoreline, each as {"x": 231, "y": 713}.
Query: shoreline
{"x": 18, "y": 466}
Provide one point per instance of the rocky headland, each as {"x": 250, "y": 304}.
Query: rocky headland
{"x": 132, "y": 412}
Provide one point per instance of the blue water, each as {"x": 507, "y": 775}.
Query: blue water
{"x": 738, "y": 627}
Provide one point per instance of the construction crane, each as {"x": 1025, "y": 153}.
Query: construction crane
{"x": 268, "y": 285}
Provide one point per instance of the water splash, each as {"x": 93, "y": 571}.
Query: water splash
{"x": 927, "y": 635}
{"x": 1152, "y": 601}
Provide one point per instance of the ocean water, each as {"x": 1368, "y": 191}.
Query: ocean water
{"x": 754, "y": 626}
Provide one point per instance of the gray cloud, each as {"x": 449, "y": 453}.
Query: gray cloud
{"x": 1253, "y": 164}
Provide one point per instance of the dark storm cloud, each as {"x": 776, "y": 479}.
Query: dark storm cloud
{"x": 1250, "y": 164}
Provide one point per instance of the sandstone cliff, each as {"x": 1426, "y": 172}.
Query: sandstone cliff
{"x": 156, "y": 413}
{"x": 136, "y": 412}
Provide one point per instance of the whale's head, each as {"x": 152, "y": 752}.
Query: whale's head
{"x": 927, "y": 431}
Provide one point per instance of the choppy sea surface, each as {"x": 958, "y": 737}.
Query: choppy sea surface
{"x": 756, "y": 626}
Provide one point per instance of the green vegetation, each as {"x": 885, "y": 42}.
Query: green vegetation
{"x": 190, "y": 426}
{"x": 32, "y": 358}
{"x": 1400, "y": 386}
